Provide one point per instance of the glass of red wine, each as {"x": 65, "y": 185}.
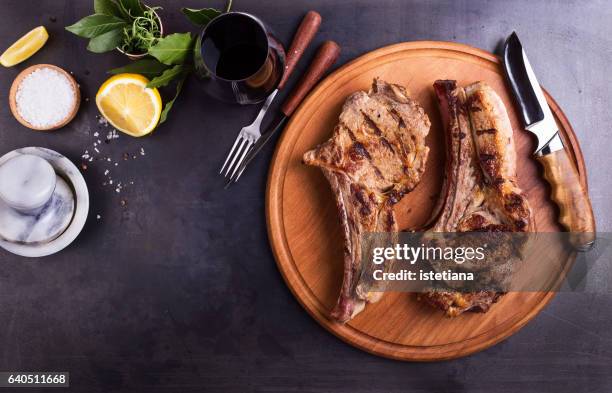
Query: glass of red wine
{"x": 238, "y": 59}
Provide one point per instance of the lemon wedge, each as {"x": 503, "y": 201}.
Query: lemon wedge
{"x": 128, "y": 105}
{"x": 25, "y": 47}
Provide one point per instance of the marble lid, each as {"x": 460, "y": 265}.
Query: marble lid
{"x": 43, "y": 224}
{"x": 26, "y": 182}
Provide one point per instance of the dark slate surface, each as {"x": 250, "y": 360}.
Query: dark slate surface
{"x": 178, "y": 290}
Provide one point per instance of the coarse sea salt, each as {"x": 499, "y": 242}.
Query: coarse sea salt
{"x": 45, "y": 98}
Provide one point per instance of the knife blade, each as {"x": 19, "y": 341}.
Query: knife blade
{"x": 326, "y": 56}
{"x": 576, "y": 213}
{"x": 536, "y": 114}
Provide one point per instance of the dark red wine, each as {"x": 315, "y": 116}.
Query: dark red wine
{"x": 234, "y": 46}
{"x": 240, "y": 61}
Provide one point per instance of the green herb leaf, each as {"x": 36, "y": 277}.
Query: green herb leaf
{"x": 202, "y": 16}
{"x": 147, "y": 67}
{"x": 133, "y": 7}
{"x": 173, "y": 49}
{"x": 105, "y": 42}
{"x": 107, "y": 7}
{"x": 94, "y": 25}
{"x": 123, "y": 12}
{"x": 169, "y": 104}
{"x": 168, "y": 76}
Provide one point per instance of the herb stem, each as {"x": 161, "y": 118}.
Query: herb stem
{"x": 143, "y": 33}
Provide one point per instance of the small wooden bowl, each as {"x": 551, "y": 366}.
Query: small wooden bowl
{"x": 13, "y": 97}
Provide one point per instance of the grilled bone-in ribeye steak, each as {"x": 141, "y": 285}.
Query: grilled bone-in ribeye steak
{"x": 480, "y": 191}
{"x": 376, "y": 154}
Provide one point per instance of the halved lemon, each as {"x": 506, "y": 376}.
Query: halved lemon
{"x": 129, "y": 105}
{"x": 25, "y": 47}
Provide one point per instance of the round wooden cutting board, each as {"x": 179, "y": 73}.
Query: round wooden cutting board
{"x": 306, "y": 237}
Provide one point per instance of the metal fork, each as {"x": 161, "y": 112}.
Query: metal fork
{"x": 250, "y": 134}
{"x": 245, "y": 140}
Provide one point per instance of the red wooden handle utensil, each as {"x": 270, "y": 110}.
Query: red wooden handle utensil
{"x": 302, "y": 38}
{"x": 326, "y": 56}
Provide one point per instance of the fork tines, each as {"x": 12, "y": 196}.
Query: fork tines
{"x": 239, "y": 150}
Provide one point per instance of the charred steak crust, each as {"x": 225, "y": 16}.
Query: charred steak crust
{"x": 376, "y": 154}
{"x": 480, "y": 191}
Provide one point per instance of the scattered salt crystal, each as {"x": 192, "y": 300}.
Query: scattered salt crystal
{"x": 102, "y": 121}
{"x": 96, "y": 134}
{"x": 98, "y": 217}
{"x": 112, "y": 134}
{"x": 96, "y": 154}
{"x": 45, "y": 97}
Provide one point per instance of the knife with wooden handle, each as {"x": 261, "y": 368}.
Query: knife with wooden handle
{"x": 576, "y": 213}
{"x": 303, "y": 36}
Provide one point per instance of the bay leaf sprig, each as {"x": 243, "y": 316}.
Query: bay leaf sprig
{"x": 95, "y": 25}
{"x": 169, "y": 59}
{"x": 167, "y": 76}
{"x": 162, "y": 75}
{"x": 127, "y": 24}
{"x": 173, "y": 49}
{"x": 147, "y": 67}
{"x": 105, "y": 42}
{"x": 107, "y": 7}
{"x": 202, "y": 16}
{"x": 169, "y": 104}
